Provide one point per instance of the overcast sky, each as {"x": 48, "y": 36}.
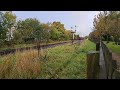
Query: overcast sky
{"x": 82, "y": 19}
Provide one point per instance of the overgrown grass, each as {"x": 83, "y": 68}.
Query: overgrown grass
{"x": 62, "y": 62}
{"x": 113, "y": 47}
{"x": 20, "y": 65}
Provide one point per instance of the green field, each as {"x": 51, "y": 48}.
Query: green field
{"x": 113, "y": 47}
{"x": 61, "y": 62}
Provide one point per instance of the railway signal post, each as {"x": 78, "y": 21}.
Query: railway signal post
{"x": 73, "y": 32}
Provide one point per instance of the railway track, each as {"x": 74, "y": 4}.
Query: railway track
{"x": 12, "y": 51}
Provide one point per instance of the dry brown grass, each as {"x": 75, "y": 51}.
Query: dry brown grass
{"x": 63, "y": 62}
{"x": 20, "y": 65}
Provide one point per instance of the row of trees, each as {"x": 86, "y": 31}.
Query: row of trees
{"x": 30, "y": 30}
{"x": 107, "y": 26}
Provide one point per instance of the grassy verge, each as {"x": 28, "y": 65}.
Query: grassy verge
{"x": 113, "y": 47}
{"x": 62, "y": 62}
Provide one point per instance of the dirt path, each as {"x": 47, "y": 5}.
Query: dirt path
{"x": 117, "y": 58}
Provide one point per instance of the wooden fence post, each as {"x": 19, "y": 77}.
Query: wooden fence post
{"x": 93, "y": 65}
{"x": 110, "y": 66}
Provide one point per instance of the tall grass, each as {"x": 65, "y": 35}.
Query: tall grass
{"x": 62, "y": 62}
{"x": 20, "y": 65}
